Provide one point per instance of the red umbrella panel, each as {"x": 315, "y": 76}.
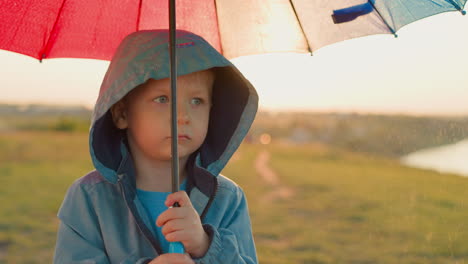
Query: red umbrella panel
{"x": 93, "y": 29}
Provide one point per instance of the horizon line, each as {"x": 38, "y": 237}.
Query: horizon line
{"x": 362, "y": 111}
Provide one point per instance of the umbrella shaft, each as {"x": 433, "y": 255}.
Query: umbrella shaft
{"x": 174, "y": 132}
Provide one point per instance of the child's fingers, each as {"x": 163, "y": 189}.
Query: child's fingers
{"x": 178, "y": 236}
{"x": 171, "y": 214}
{"x": 174, "y": 225}
{"x": 181, "y": 197}
{"x": 172, "y": 258}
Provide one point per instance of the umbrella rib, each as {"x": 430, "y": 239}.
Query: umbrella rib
{"x": 300, "y": 25}
{"x": 139, "y": 15}
{"x": 459, "y": 8}
{"x": 218, "y": 31}
{"x": 47, "y": 46}
{"x": 383, "y": 19}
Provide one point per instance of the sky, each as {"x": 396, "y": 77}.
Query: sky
{"x": 422, "y": 72}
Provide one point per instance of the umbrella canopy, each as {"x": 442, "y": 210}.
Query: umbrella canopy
{"x": 93, "y": 29}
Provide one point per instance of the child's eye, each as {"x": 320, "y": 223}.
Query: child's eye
{"x": 197, "y": 101}
{"x": 161, "y": 99}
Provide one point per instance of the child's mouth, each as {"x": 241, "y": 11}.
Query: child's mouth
{"x": 184, "y": 137}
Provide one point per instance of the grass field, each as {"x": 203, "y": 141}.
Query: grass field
{"x": 344, "y": 207}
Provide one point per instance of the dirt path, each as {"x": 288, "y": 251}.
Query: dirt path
{"x": 3, "y": 250}
{"x": 278, "y": 190}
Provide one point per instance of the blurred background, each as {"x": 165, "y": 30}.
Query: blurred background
{"x": 358, "y": 153}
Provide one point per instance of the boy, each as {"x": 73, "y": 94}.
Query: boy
{"x": 118, "y": 213}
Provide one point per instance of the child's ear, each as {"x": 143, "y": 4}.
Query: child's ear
{"x": 119, "y": 114}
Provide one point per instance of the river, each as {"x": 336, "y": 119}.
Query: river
{"x": 451, "y": 158}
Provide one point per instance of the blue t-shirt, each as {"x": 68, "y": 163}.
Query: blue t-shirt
{"x": 154, "y": 205}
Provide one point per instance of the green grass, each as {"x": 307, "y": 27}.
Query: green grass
{"x": 36, "y": 169}
{"x": 346, "y": 207}
{"x": 350, "y": 208}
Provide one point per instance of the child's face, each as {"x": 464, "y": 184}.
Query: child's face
{"x": 147, "y": 115}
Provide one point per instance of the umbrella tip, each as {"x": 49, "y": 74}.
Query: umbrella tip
{"x": 463, "y": 12}
{"x": 395, "y": 35}
{"x": 43, "y": 56}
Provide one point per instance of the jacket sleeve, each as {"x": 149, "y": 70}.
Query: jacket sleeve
{"x": 231, "y": 243}
{"x": 79, "y": 238}
{"x": 71, "y": 247}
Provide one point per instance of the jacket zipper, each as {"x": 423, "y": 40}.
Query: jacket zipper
{"x": 210, "y": 201}
{"x": 155, "y": 247}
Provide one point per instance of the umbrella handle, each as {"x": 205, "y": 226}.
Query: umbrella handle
{"x": 176, "y": 247}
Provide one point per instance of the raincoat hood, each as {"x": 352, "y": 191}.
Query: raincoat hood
{"x": 144, "y": 55}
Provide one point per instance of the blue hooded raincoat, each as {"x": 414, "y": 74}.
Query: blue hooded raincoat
{"x": 102, "y": 219}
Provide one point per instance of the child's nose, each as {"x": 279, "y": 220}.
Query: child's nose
{"x": 182, "y": 114}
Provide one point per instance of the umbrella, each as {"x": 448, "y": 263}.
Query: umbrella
{"x": 93, "y": 29}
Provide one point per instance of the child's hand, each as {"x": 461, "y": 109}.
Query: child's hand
{"x": 173, "y": 258}
{"x": 183, "y": 224}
